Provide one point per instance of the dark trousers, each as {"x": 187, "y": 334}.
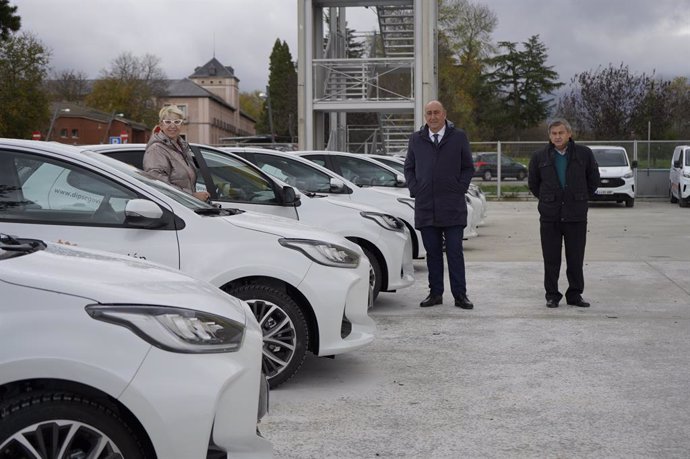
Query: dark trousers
{"x": 432, "y": 237}
{"x": 574, "y": 235}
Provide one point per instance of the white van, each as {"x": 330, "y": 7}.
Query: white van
{"x": 309, "y": 289}
{"x": 617, "y": 181}
{"x": 680, "y": 176}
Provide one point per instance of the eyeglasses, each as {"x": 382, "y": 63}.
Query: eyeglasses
{"x": 169, "y": 122}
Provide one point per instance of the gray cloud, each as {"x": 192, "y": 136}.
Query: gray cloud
{"x": 580, "y": 36}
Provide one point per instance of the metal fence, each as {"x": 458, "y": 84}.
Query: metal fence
{"x": 651, "y": 176}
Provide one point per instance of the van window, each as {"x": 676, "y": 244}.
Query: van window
{"x": 612, "y": 157}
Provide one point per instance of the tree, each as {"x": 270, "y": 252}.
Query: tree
{"x": 465, "y": 30}
{"x": 251, "y": 103}
{"x": 605, "y": 103}
{"x": 9, "y": 21}
{"x": 679, "y": 107}
{"x": 523, "y": 82}
{"x": 282, "y": 88}
{"x": 24, "y": 101}
{"x": 130, "y": 86}
{"x": 68, "y": 86}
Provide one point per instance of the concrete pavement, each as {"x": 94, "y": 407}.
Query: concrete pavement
{"x": 512, "y": 378}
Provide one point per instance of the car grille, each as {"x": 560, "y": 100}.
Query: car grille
{"x": 611, "y": 182}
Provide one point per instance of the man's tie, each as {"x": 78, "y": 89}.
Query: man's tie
{"x": 436, "y": 140}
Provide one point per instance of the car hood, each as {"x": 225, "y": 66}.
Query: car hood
{"x": 608, "y": 172}
{"x": 356, "y": 206}
{"x": 108, "y": 278}
{"x": 288, "y": 228}
{"x": 393, "y": 191}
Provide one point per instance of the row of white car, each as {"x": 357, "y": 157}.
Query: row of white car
{"x": 303, "y": 289}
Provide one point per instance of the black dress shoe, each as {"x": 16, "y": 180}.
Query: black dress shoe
{"x": 463, "y": 302}
{"x": 431, "y": 300}
{"x": 551, "y": 303}
{"x": 579, "y": 302}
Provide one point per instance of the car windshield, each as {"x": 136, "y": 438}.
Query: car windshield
{"x": 610, "y": 157}
{"x": 173, "y": 193}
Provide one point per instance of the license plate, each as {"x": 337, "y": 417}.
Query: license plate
{"x": 604, "y": 192}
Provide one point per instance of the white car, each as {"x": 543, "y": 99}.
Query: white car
{"x": 234, "y": 182}
{"x": 309, "y": 289}
{"x": 476, "y": 196}
{"x": 617, "y": 182}
{"x": 679, "y": 176}
{"x": 309, "y": 177}
{"x": 108, "y": 356}
{"x": 365, "y": 171}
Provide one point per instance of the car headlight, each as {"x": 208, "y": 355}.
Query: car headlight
{"x": 628, "y": 175}
{"x": 388, "y": 222}
{"x": 173, "y": 329}
{"x": 407, "y": 201}
{"x": 686, "y": 174}
{"x": 323, "y": 252}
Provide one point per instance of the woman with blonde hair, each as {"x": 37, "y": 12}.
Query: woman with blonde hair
{"x": 168, "y": 157}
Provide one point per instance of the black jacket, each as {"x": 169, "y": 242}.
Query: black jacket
{"x": 556, "y": 203}
{"x": 439, "y": 178}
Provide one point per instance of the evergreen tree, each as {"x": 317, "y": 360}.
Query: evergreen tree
{"x": 282, "y": 91}
{"x": 9, "y": 21}
{"x": 523, "y": 82}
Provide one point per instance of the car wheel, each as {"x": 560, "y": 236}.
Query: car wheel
{"x": 286, "y": 336}
{"x": 521, "y": 175}
{"x": 630, "y": 202}
{"x": 683, "y": 202}
{"x": 487, "y": 175}
{"x": 56, "y": 425}
{"x": 376, "y": 266}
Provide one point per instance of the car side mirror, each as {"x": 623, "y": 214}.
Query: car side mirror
{"x": 400, "y": 180}
{"x": 336, "y": 185}
{"x": 676, "y": 164}
{"x": 290, "y": 196}
{"x": 142, "y": 213}
{"x": 634, "y": 164}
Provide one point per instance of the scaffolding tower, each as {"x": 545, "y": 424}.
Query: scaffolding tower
{"x": 392, "y": 82}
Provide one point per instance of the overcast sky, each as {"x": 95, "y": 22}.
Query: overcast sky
{"x": 581, "y": 35}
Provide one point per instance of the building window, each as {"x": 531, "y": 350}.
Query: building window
{"x": 75, "y": 133}
{"x": 63, "y": 133}
{"x": 183, "y": 108}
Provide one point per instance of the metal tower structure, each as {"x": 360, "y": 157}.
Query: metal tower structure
{"x": 394, "y": 80}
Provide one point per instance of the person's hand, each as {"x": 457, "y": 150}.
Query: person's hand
{"x": 202, "y": 195}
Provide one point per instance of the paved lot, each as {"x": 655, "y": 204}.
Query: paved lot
{"x": 512, "y": 378}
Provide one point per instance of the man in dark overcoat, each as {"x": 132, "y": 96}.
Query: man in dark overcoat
{"x": 438, "y": 170}
{"x": 563, "y": 176}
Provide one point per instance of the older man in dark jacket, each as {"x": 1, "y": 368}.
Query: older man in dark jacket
{"x": 563, "y": 176}
{"x": 438, "y": 170}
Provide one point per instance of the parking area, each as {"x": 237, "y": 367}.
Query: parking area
{"x": 512, "y": 378}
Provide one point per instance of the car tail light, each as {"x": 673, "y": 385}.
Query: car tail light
{"x": 480, "y": 163}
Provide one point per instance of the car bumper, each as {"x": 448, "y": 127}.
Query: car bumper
{"x": 340, "y": 304}
{"x": 620, "y": 193}
{"x": 183, "y": 400}
{"x": 397, "y": 251}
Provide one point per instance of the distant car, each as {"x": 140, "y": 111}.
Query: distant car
{"x": 679, "y": 176}
{"x": 108, "y": 356}
{"x": 617, "y": 181}
{"x": 486, "y": 167}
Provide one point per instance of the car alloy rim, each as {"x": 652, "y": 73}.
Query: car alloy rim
{"x": 60, "y": 438}
{"x": 280, "y": 337}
